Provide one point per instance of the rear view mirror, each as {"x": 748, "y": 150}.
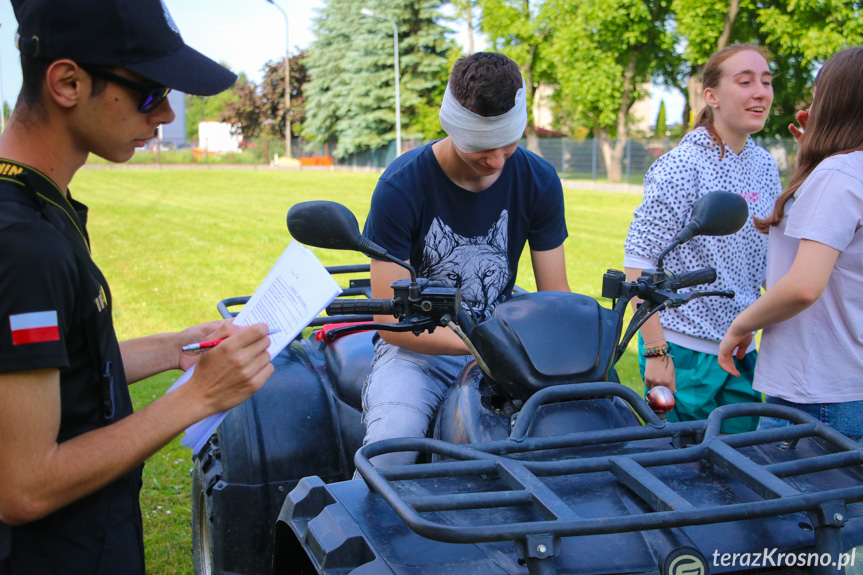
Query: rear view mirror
{"x": 715, "y": 214}
{"x": 324, "y": 225}
{"x": 330, "y": 225}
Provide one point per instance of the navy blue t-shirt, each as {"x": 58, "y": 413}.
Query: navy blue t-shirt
{"x": 471, "y": 240}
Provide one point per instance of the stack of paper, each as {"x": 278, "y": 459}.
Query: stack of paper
{"x": 295, "y": 291}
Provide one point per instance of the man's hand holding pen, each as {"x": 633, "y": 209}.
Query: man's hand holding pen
{"x": 205, "y": 345}
{"x": 232, "y": 370}
{"x": 198, "y": 333}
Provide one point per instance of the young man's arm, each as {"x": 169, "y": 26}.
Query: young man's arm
{"x": 549, "y": 269}
{"x": 39, "y": 475}
{"x": 442, "y": 342}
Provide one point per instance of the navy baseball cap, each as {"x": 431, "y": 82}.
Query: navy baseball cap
{"x": 138, "y": 35}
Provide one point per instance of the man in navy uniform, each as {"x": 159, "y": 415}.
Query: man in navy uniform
{"x": 96, "y": 74}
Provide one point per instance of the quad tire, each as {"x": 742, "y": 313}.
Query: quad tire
{"x": 205, "y": 475}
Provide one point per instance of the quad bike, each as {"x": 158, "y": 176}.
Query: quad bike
{"x": 536, "y": 462}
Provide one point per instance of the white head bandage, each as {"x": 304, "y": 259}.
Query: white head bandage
{"x": 471, "y": 132}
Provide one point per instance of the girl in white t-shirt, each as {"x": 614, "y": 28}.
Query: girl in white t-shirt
{"x": 811, "y": 354}
{"x": 678, "y": 347}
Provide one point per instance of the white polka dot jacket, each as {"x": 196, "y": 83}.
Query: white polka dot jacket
{"x": 672, "y": 185}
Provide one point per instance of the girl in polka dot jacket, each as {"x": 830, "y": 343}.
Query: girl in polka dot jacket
{"x": 678, "y": 348}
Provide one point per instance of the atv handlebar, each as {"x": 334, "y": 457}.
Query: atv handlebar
{"x": 658, "y": 291}
{"x": 419, "y": 305}
{"x": 693, "y": 278}
{"x": 361, "y": 307}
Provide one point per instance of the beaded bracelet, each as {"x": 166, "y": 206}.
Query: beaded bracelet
{"x": 656, "y": 351}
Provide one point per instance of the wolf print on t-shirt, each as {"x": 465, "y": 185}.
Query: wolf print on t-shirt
{"x": 478, "y": 265}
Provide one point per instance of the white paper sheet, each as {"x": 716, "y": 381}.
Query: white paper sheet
{"x": 294, "y": 292}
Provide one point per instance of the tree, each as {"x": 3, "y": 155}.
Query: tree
{"x": 351, "y": 91}
{"x": 464, "y": 11}
{"x": 426, "y": 120}
{"x": 272, "y": 95}
{"x": 602, "y": 51}
{"x": 521, "y": 30}
{"x": 799, "y": 34}
{"x": 661, "y": 128}
{"x": 244, "y": 112}
{"x": 260, "y": 110}
{"x": 674, "y": 71}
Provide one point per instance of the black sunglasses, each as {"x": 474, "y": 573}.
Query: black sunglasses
{"x": 151, "y": 95}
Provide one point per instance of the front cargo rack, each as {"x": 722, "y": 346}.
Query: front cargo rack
{"x": 531, "y": 499}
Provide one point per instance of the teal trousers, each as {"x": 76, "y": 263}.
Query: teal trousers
{"x": 702, "y": 386}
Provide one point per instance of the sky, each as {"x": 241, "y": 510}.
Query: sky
{"x": 245, "y": 34}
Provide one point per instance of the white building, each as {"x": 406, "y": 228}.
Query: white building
{"x": 216, "y": 137}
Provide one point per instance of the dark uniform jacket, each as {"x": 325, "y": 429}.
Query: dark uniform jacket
{"x": 55, "y": 312}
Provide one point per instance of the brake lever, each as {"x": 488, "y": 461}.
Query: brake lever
{"x": 673, "y": 299}
{"x": 417, "y": 327}
{"x": 718, "y": 293}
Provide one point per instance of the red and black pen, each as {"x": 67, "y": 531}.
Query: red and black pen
{"x": 205, "y": 345}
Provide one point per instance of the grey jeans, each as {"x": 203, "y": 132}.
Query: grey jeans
{"x": 403, "y": 393}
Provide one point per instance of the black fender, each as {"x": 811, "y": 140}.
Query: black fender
{"x": 289, "y": 429}
{"x": 470, "y": 412}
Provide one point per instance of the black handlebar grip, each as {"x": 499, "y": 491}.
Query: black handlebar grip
{"x": 697, "y": 277}
{"x": 361, "y": 307}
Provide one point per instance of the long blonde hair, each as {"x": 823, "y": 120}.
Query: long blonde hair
{"x": 710, "y": 79}
{"x": 835, "y": 124}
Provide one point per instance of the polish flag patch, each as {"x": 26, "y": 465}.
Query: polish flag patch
{"x": 35, "y": 327}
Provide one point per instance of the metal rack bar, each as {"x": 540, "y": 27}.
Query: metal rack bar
{"x": 470, "y": 501}
{"x": 815, "y": 464}
{"x": 747, "y": 472}
{"x": 654, "y": 492}
{"x": 547, "y": 503}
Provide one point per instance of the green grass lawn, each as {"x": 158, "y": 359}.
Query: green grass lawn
{"x": 172, "y": 243}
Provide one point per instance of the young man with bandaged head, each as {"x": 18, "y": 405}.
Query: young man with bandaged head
{"x": 460, "y": 211}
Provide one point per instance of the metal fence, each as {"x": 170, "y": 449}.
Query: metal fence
{"x": 579, "y": 161}
{"x": 583, "y": 160}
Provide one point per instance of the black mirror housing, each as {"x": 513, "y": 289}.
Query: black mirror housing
{"x": 717, "y": 213}
{"x": 324, "y": 224}
{"x": 331, "y": 225}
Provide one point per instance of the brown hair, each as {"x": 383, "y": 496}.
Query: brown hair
{"x": 710, "y": 79}
{"x": 32, "y": 75}
{"x": 835, "y": 124}
{"x": 485, "y": 83}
